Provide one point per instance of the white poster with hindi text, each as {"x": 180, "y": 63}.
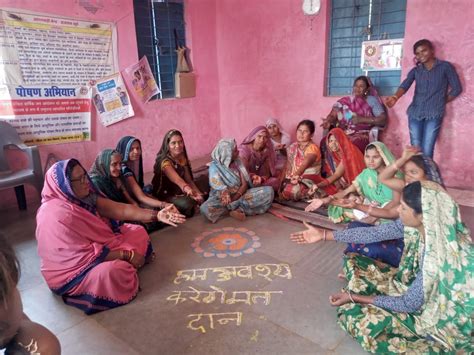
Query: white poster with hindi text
{"x": 47, "y": 114}
{"x": 44, "y": 49}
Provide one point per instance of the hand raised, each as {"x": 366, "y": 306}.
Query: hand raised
{"x": 410, "y": 151}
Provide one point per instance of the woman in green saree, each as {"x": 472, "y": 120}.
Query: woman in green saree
{"x": 375, "y": 194}
{"x": 425, "y": 305}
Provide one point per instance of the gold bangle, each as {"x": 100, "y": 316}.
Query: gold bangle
{"x": 324, "y": 236}
{"x": 132, "y": 254}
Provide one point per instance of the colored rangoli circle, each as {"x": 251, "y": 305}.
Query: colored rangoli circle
{"x": 226, "y": 241}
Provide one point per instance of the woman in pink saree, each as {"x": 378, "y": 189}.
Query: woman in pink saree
{"x": 357, "y": 114}
{"x": 87, "y": 257}
{"x": 258, "y": 157}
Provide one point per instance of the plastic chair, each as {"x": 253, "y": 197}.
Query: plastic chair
{"x": 32, "y": 174}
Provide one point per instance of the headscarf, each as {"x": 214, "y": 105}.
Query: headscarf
{"x": 268, "y": 151}
{"x": 100, "y": 175}
{"x": 273, "y": 121}
{"x": 448, "y": 270}
{"x": 57, "y": 185}
{"x": 351, "y": 156}
{"x": 222, "y": 158}
{"x": 123, "y": 147}
{"x": 386, "y": 155}
{"x": 164, "y": 154}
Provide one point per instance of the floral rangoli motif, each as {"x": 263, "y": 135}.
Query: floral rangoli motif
{"x": 226, "y": 241}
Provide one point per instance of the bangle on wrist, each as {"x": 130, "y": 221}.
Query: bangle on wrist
{"x": 324, "y": 235}
{"x": 350, "y": 296}
{"x": 132, "y": 254}
{"x": 125, "y": 255}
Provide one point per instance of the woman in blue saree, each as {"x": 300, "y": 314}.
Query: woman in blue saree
{"x": 231, "y": 187}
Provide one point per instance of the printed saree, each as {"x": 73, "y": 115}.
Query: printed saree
{"x": 374, "y": 192}
{"x": 443, "y": 324}
{"x": 224, "y": 174}
{"x": 310, "y": 177}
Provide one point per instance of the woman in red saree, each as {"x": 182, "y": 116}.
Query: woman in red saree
{"x": 343, "y": 161}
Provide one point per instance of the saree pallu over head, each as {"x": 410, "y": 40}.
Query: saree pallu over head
{"x": 367, "y": 183}
{"x": 162, "y": 158}
{"x": 285, "y": 137}
{"x": 445, "y": 254}
{"x": 448, "y": 271}
{"x": 221, "y": 160}
{"x": 123, "y": 147}
{"x": 100, "y": 175}
{"x": 72, "y": 237}
{"x": 258, "y": 158}
{"x": 348, "y": 154}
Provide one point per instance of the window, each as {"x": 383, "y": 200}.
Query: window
{"x": 159, "y": 25}
{"x": 355, "y": 21}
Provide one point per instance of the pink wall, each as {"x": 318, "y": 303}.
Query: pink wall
{"x": 449, "y": 25}
{"x": 256, "y": 59}
{"x": 197, "y": 118}
{"x": 272, "y": 63}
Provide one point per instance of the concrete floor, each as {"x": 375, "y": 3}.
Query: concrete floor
{"x": 299, "y": 320}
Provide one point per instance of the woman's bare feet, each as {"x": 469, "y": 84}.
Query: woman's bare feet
{"x": 238, "y": 214}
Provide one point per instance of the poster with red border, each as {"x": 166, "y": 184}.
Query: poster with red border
{"x": 47, "y": 114}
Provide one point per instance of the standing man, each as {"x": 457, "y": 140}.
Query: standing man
{"x": 426, "y": 111}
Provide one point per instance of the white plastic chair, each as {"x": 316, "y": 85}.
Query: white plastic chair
{"x": 30, "y": 175}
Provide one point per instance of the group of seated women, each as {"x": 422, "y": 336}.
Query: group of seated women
{"x": 409, "y": 256}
